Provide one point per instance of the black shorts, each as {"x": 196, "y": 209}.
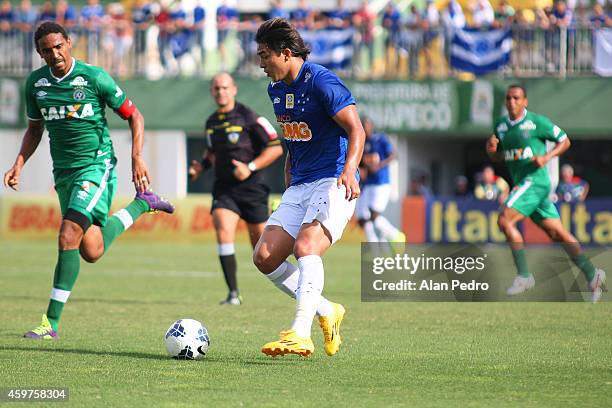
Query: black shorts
{"x": 249, "y": 200}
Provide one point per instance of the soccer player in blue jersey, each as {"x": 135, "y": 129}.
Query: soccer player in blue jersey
{"x": 378, "y": 152}
{"x": 324, "y": 138}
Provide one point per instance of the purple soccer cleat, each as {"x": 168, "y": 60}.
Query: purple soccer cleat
{"x": 42, "y": 332}
{"x": 155, "y": 202}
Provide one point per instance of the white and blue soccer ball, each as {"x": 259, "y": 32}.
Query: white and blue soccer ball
{"x": 187, "y": 339}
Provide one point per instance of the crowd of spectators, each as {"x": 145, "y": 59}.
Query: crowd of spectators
{"x": 170, "y": 30}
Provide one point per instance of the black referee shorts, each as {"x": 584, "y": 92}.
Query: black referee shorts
{"x": 248, "y": 199}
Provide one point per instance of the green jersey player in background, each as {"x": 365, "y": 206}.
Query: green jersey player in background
{"x": 520, "y": 140}
{"x": 69, "y": 97}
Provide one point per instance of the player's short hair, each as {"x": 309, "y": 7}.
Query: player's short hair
{"x": 518, "y": 86}
{"x": 48, "y": 27}
{"x": 278, "y": 34}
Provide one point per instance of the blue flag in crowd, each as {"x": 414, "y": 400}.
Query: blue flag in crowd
{"x": 332, "y": 48}
{"x": 479, "y": 51}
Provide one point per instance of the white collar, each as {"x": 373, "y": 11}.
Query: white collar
{"x": 67, "y": 73}
{"x": 514, "y": 122}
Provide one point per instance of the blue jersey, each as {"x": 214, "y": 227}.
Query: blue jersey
{"x": 378, "y": 143}
{"x": 317, "y": 144}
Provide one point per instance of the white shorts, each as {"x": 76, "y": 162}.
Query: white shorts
{"x": 373, "y": 197}
{"x": 320, "y": 200}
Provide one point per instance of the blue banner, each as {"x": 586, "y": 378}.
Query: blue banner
{"x": 332, "y": 48}
{"x": 480, "y": 51}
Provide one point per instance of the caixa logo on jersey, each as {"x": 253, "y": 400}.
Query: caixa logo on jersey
{"x": 296, "y": 131}
{"x": 518, "y": 154}
{"x": 76, "y": 111}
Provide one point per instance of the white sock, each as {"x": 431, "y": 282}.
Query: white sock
{"x": 308, "y": 293}
{"x": 286, "y": 277}
{"x": 370, "y": 231}
{"x": 386, "y": 229}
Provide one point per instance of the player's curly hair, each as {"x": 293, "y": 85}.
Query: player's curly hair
{"x": 278, "y": 34}
{"x": 48, "y": 27}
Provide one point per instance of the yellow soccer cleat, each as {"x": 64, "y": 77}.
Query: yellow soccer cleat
{"x": 400, "y": 237}
{"x": 331, "y": 329}
{"x": 290, "y": 343}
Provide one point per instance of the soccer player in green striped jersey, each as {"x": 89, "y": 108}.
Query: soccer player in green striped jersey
{"x": 520, "y": 140}
{"x": 69, "y": 98}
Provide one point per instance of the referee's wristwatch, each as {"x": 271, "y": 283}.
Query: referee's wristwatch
{"x": 251, "y": 166}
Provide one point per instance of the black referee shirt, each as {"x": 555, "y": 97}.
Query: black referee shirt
{"x": 240, "y": 134}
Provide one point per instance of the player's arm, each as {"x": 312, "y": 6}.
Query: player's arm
{"x": 31, "y": 140}
{"x": 560, "y": 148}
{"x": 263, "y": 135}
{"x": 197, "y": 167}
{"x": 491, "y": 147}
{"x": 348, "y": 119}
{"x": 390, "y": 156}
{"x": 585, "y": 190}
{"x": 140, "y": 172}
{"x": 115, "y": 98}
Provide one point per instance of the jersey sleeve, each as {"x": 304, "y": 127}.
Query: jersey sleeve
{"x": 32, "y": 110}
{"x": 332, "y": 93}
{"x": 208, "y": 131}
{"x": 110, "y": 92}
{"x": 550, "y": 131}
{"x": 387, "y": 147}
{"x": 261, "y": 131}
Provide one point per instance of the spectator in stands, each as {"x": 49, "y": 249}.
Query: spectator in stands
{"x": 482, "y": 14}
{"x": 66, "y": 15}
{"x": 249, "y": 65}
{"x": 339, "y": 17}
{"x": 180, "y": 43}
{"x": 418, "y": 186}
{"x": 47, "y": 12}
{"x": 452, "y": 19}
{"x": 25, "y": 21}
{"x": 277, "y": 10}
{"x": 162, "y": 21}
{"x": 25, "y": 17}
{"x": 92, "y": 17}
{"x": 490, "y": 187}
{"x": 430, "y": 23}
{"x": 391, "y": 25}
{"x": 302, "y": 16}
{"x": 562, "y": 15}
{"x": 199, "y": 27}
{"x": 599, "y": 19}
{"x": 461, "y": 187}
{"x": 504, "y": 14}
{"x": 118, "y": 39}
{"x": 581, "y": 16}
{"x": 227, "y": 21}
{"x": 7, "y": 16}
{"x": 363, "y": 21}
{"x": 411, "y": 39}
{"x": 571, "y": 189}
{"x": 142, "y": 16}
{"x": 7, "y": 20}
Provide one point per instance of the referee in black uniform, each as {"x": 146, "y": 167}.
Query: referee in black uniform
{"x": 240, "y": 144}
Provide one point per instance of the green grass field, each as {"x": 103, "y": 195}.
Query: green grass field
{"x": 111, "y": 350}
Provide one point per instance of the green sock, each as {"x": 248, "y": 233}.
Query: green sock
{"x": 122, "y": 220}
{"x": 585, "y": 265}
{"x": 66, "y": 273}
{"x": 520, "y": 260}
